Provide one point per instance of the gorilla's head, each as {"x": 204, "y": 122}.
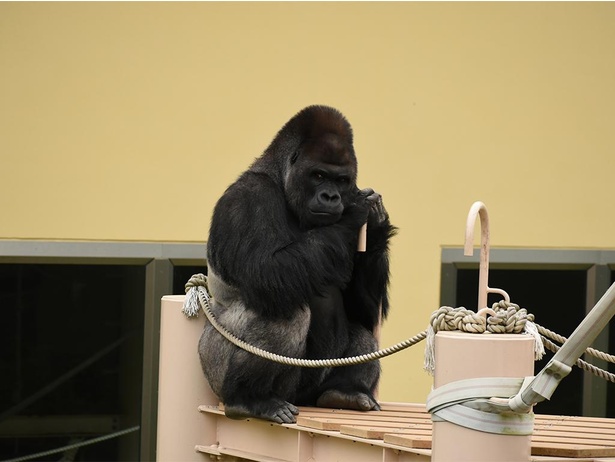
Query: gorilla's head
{"x": 313, "y": 160}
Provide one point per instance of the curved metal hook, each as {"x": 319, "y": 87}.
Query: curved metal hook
{"x": 478, "y": 209}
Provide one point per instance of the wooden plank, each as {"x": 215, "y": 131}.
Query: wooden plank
{"x": 605, "y": 420}
{"x": 576, "y": 430}
{"x": 350, "y": 420}
{"x": 374, "y": 432}
{"x": 570, "y": 450}
{"x": 569, "y": 440}
{"x": 408, "y": 441}
{"x": 607, "y": 439}
{"x": 211, "y": 409}
{"x": 577, "y": 424}
{"x": 414, "y": 407}
{"x": 336, "y": 424}
{"x": 313, "y": 412}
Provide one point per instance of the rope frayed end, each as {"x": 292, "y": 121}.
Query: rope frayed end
{"x": 539, "y": 348}
{"x": 191, "y": 302}
{"x": 429, "y": 362}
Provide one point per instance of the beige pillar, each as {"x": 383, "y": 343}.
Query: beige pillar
{"x": 181, "y": 386}
{"x": 462, "y": 356}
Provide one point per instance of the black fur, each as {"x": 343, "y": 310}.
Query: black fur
{"x": 288, "y": 277}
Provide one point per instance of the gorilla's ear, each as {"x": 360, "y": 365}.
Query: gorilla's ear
{"x": 295, "y": 156}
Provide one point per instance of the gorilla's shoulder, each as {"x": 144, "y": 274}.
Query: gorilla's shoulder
{"x": 252, "y": 187}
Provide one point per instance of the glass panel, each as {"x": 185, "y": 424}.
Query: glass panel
{"x": 71, "y": 338}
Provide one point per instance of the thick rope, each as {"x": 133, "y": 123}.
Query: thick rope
{"x": 197, "y": 287}
{"x": 509, "y": 318}
{"x": 560, "y": 339}
{"x": 582, "y": 364}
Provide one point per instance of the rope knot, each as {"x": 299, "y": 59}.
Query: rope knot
{"x": 448, "y": 318}
{"x": 191, "y": 303}
{"x": 509, "y": 318}
{"x": 196, "y": 280}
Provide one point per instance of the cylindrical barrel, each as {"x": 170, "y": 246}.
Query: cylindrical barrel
{"x": 460, "y": 356}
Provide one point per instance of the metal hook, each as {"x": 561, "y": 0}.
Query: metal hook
{"x": 479, "y": 209}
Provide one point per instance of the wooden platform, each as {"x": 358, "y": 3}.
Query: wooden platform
{"x": 401, "y": 432}
{"x": 405, "y": 431}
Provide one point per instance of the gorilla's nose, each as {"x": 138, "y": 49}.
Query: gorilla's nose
{"x": 329, "y": 198}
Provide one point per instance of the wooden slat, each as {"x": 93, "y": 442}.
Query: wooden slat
{"x": 568, "y": 440}
{"x": 315, "y": 422}
{"x": 577, "y": 435}
{"x": 372, "y": 432}
{"x": 409, "y": 441}
{"x": 570, "y": 450}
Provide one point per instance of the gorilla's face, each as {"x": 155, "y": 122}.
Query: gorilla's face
{"x": 320, "y": 182}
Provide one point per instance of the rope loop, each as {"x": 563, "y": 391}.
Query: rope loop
{"x": 447, "y": 318}
{"x": 509, "y": 318}
{"x": 196, "y": 280}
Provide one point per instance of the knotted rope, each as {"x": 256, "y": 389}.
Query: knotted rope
{"x": 506, "y": 318}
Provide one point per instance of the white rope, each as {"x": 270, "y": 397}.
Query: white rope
{"x": 196, "y": 294}
{"x": 560, "y": 339}
{"x": 583, "y": 364}
{"x": 509, "y": 318}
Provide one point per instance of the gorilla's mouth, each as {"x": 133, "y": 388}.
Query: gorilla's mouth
{"x": 321, "y": 217}
{"x": 324, "y": 212}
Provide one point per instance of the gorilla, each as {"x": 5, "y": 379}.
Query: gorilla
{"x": 285, "y": 275}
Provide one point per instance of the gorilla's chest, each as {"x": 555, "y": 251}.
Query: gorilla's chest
{"x": 328, "y": 322}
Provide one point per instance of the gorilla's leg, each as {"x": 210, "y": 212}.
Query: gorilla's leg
{"x": 352, "y": 387}
{"x": 259, "y": 388}
{"x": 248, "y": 385}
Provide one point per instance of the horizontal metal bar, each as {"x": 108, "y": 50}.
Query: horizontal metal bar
{"x": 12, "y": 251}
{"x": 584, "y": 258}
{"x": 58, "y": 425}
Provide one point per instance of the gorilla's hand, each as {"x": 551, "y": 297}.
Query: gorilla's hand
{"x": 377, "y": 212}
{"x": 366, "y": 203}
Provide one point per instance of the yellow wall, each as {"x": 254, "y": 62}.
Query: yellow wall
{"x": 126, "y": 121}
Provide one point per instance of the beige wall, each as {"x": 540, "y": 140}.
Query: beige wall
{"x": 127, "y": 121}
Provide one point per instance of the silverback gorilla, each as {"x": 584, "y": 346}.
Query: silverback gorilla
{"x": 285, "y": 275}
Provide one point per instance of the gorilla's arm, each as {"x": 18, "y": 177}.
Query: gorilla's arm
{"x": 367, "y": 292}
{"x": 256, "y": 245}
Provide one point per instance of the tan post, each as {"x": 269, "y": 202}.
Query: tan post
{"x": 181, "y": 386}
{"x": 461, "y": 356}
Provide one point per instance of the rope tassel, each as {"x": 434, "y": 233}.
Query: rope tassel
{"x": 191, "y": 302}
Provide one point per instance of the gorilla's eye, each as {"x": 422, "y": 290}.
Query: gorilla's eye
{"x": 318, "y": 176}
{"x": 342, "y": 180}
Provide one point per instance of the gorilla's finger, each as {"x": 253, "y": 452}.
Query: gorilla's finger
{"x": 366, "y": 192}
{"x": 293, "y": 409}
{"x": 286, "y": 416}
{"x": 374, "y": 197}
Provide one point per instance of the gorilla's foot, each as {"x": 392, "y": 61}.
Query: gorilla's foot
{"x": 340, "y": 400}
{"x": 275, "y": 410}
